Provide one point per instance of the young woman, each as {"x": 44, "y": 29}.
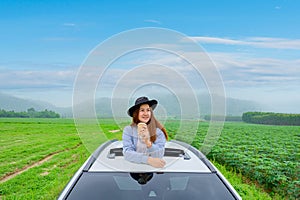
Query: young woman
{"x": 142, "y": 111}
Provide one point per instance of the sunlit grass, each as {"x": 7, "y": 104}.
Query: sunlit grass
{"x": 24, "y": 142}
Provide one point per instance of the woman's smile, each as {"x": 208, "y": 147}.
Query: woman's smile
{"x": 144, "y": 113}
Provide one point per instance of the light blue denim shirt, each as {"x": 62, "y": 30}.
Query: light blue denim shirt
{"x": 130, "y": 138}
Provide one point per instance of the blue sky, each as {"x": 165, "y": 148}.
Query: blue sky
{"x": 254, "y": 44}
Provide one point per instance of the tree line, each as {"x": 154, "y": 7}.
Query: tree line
{"x": 271, "y": 118}
{"x": 30, "y": 113}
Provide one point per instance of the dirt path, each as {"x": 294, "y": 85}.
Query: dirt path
{"x": 48, "y": 157}
{"x": 14, "y": 174}
{"x": 114, "y": 131}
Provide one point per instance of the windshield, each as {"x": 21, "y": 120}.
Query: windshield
{"x": 150, "y": 186}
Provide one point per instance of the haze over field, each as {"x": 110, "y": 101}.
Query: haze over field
{"x": 255, "y": 48}
{"x": 168, "y": 106}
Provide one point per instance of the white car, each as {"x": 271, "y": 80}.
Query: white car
{"x": 188, "y": 174}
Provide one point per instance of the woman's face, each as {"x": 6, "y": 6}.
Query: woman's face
{"x": 144, "y": 113}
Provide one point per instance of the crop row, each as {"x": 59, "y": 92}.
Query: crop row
{"x": 269, "y": 155}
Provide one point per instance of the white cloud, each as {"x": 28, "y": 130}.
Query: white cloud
{"x": 153, "y": 21}
{"x": 236, "y": 69}
{"x": 277, "y": 7}
{"x": 248, "y": 70}
{"x": 53, "y": 86}
{"x": 260, "y": 42}
{"x": 245, "y": 75}
{"x": 29, "y": 79}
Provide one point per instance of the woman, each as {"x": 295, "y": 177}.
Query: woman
{"x": 142, "y": 111}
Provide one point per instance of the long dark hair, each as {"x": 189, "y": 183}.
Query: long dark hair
{"x": 152, "y": 124}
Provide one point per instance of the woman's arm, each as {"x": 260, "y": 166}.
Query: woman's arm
{"x": 129, "y": 147}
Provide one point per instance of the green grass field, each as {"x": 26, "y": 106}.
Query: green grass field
{"x": 39, "y": 156}
{"x": 269, "y": 155}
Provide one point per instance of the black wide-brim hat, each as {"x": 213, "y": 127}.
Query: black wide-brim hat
{"x": 139, "y": 101}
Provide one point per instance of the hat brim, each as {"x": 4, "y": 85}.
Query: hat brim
{"x": 151, "y": 103}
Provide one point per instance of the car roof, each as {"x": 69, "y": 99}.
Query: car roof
{"x": 179, "y": 157}
{"x": 107, "y": 164}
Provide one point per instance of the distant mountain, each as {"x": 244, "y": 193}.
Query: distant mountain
{"x": 9, "y": 102}
{"x": 236, "y": 107}
{"x": 170, "y": 104}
